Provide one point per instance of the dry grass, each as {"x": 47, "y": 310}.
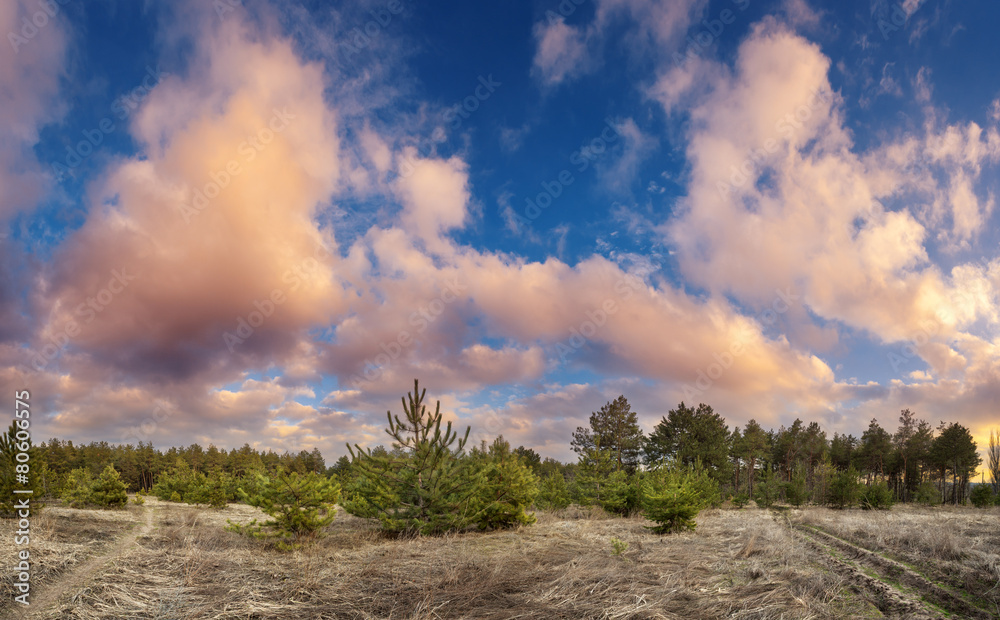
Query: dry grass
{"x": 737, "y": 564}
{"x": 955, "y": 546}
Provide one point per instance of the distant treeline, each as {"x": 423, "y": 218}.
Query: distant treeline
{"x": 915, "y": 461}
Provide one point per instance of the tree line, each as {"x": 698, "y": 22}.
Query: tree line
{"x": 429, "y": 481}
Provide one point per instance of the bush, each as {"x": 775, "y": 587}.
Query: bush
{"x": 553, "y": 494}
{"x": 877, "y": 497}
{"x": 982, "y": 496}
{"x": 844, "y": 489}
{"x": 506, "y": 489}
{"x": 300, "y": 506}
{"x": 76, "y": 491}
{"x": 671, "y": 498}
{"x": 796, "y": 492}
{"x": 767, "y": 491}
{"x": 621, "y": 494}
{"x": 741, "y": 499}
{"x": 927, "y": 494}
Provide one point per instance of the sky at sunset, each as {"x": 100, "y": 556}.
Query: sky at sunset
{"x": 257, "y": 222}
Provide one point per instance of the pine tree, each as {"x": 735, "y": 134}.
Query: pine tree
{"x": 299, "y": 506}
{"x": 616, "y": 428}
{"x": 553, "y": 494}
{"x": 671, "y": 497}
{"x": 425, "y": 486}
{"x": 108, "y": 491}
{"x": 76, "y": 491}
{"x": 10, "y": 468}
{"x": 508, "y": 488}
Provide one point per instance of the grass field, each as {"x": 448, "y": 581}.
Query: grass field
{"x": 165, "y": 560}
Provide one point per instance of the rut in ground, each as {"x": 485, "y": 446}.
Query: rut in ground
{"x": 69, "y": 585}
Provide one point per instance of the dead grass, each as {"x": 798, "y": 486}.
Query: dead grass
{"x": 738, "y": 564}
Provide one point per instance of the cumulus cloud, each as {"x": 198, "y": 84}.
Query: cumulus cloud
{"x": 561, "y": 51}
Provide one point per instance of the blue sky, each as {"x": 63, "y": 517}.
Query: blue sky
{"x": 267, "y": 218}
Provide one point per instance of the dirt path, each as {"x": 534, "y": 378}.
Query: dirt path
{"x": 898, "y": 588}
{"x": 45, "y": 599}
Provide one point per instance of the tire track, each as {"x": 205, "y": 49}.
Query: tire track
{"x": 890, "y": 571}
{"x": 44, "y": 602}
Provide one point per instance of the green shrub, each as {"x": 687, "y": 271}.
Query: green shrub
{"x": 506, "y": 489}
{"x": 175, "y": 497}
{"x": 927, "y": 494}
{"x": 300, "y": 506}
{"x": 618, "y": 546}
{"x": 741, "y": 499}
{"x": 621, "y": 494}
{"x": 877, "y": 496}
{"x": 767, "y": 490}
{"x": 76, "y": 491}
{"x": 671, "y": 498}
{"x": 845, "y": 489}
{"x": 982, "y": 496}
{"x": 796, "y": 491}
{"x": 553, "y": 494}
{"x": 138, "y": 500}
{"x": 108, "y": 491}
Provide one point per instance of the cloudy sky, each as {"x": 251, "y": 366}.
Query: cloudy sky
{"x": 257, "y": 222}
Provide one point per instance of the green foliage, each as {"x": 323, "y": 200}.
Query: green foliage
{"x": 76, "y": 491}
{"x": 671, "y": 498}
{"x": 927, "y": 494}
{"x": 425, "y": 486}
{"x": 507, "y": 488}
{"x": 175, "y": 497}
{"x": 877, "y": 496}
{"x": 982, "y": 496}
{"x": 108, "y": 491}
{"x": 10, "y": 467}
{"x": 845, "y": 489}
{"x": 138, "y": 500}
{"x": 687, "y": 435}
{"x": 553, "y": 494}
{"x": 614, "y": 428}
{"x": 618, "y": 546}
{"x": 796, "y": 491}
{"x": 741, "y": 499}
{"x": 767, "y": 491}
{"x": 622, "y": 494}
{"x": 299, "y": 505}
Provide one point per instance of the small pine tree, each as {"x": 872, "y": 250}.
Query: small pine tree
{"x": 508, "y": 488}
{"x": 175, "y": 497}
{"x": 671, "y": 498}
{"x": 796, "y": 491}
{"x": 927, "y": 494}
{"x": 982, "y": 496}
{"x": 108, "y": 491}
{"x": 766, "y": 491}
{"x": 11, "y": 468}
{"x": 878, "y": 496}
{"x": 845, "y": 489}
{"x": 592, "y": 475}
{"x": 77, "y": 490}
{"x": 621, "y": 493}
{"x": 425, "y": 486}
{"x": 553, "y": 494}
{"x": 300, "y": 506}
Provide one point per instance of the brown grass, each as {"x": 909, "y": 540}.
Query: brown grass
{"x": 737, "y": 564}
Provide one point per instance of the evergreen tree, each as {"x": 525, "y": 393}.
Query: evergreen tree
{"x": 508, "y": 488}
{"x": 687, "y": 435}
{"x": 954, "y": 450}
{"x": 993, "y": 461}
{"x": 108, "y": 491}
{"x": 753, "y": 451}
{"x": 671, "y": 497}
{"x": 299, "y": 506}
{"x": 614, "y": 428}
{"x": 845, "y": 490}
{"x": 427, "y": 487}
{"x": 76, "y": 492}
{"x": 10, "y": 468}
{"x": 553, "y": 494}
